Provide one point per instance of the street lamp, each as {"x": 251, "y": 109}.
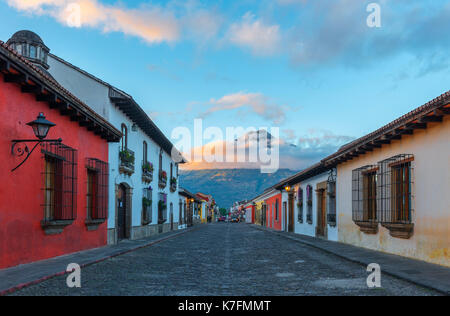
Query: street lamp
{"x": 41, "y": 127}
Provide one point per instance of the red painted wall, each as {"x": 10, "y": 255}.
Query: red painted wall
{"x": 22, "y": 240}
{"x": 276, "y": 223}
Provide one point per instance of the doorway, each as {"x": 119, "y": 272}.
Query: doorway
{"x": 321, "y": 229}
{"x": 291, "y": 213}
{"x": 123, "y": 212}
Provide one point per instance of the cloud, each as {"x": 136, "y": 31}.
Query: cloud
{"x": 257, "y": 103}
{"x": 152, "y": 23}
{"x": 309, "y": 149}
{"x": 260, "y": 38}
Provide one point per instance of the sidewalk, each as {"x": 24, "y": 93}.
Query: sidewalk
{"x": 424, "y": 274}
{"x": 13, "y": 279}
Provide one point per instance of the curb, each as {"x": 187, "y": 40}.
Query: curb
{"x": 360, "y": 262}
{"x": 57, "y": 274}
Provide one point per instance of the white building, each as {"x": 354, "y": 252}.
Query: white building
{"x": 311, "y": 194}
{"x": 141, "y": 202}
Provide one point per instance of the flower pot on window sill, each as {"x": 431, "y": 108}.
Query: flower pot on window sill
{"x": 173, "y": 187}
{"x": 55, "y": 227}
{"x": 147, "y": 177}
{"x": 370, "y": 228}
{"x": 162, "y": 183}
{"x": 400, "y": 230}
{"x": 126, "y": 169}
{"x": 93, "y": 224}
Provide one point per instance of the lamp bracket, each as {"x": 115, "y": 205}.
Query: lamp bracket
{"x": 20, "y": 147}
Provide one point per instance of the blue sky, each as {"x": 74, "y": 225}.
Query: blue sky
{"x": 313, "y": 68}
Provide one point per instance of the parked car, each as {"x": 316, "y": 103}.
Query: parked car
{"x": 235, "y": 219}
{"x": 222, "y": 219}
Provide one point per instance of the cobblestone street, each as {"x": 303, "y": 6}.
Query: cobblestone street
{"x": 226, "y": 259}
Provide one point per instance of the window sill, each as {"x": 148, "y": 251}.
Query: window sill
{"x": 147, "y": 178}
{"x": 126, "y": 169}
{"x": 55, "y": 227}
{"x": 403, "y": 231}
{"x": 94, "y": 224}
{"x": 370, "y": 228}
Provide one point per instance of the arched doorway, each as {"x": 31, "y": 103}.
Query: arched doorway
{"x": 123, "y": 211}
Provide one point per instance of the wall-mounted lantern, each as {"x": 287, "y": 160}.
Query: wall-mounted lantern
{"x": 331, "y": 183}
{"x": 40, "y": 127}
{"x": 287, "y": 188}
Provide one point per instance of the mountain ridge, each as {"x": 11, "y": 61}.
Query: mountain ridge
{"x": 230, "y": 185}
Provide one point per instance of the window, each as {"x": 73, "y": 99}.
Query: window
{"x": 33, "y": 51}
{"x": 60, "y": 182}
{"x": 364, "y": 198}
{"x": 97, "y": 189}
{"x": 145, "y": 152}
{"x": 19, "y": 48}
{"x": 300, "y": 204}
{"x": 160, "y": 161}
{"x": 162, "y": 208}
{"x": 331, "y": 191}
{"x": 147, "y": 210}
{"x": 171, "y": 170}
{"x": 383, "y": 193}
{"x": 309, "y": 201}
{"x": 124, "y": 140}
{"x": 396, "y": 183}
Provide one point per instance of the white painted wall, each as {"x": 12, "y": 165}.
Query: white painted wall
{"x": 96, "y": 95}
{"x": 305, "y": 228}
{"x": 431, "y": 217}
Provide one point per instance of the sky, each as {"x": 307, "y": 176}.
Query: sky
{"x": 315, "y": 69}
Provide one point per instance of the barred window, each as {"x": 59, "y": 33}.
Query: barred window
{"x": 162, "y": 208}
{"x": 276, "y": 210}
{"x": 300, "y": 204}
{"x": 364, "y": 194}
{"x": 309, "y": 200}
{"x": 331, "y": 190}
{"x": 147, "y": 209}
{"x": 97, "y": 188}
{"x": 60, "y": 182}
{"x": 396, "y": 187}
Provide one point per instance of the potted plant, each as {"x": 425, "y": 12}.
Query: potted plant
{"x": 147, "y": 172}
{"x": 147, "y": 167}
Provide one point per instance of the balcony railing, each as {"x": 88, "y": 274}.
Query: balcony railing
{"x": 126, "y": 161}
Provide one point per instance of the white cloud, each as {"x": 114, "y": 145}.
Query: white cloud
{"x": 256, "y": 102}
{"x": 254, "y": 34}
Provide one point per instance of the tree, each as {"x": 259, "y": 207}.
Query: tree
{"x": 223, "y": 211}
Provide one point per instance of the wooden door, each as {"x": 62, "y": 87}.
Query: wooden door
{"x": 321, "y": 213}
{"x": 291, "y": 213}
{"x": 122, "y": 213}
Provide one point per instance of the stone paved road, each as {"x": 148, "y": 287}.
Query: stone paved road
{"x": 226, "y": 259}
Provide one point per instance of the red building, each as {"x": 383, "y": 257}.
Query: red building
{"x": 274, "y": 216}
{"x": 56, "y": 203}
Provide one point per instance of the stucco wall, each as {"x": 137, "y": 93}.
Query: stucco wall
{"x": 431, "y": 216}
{"x": 22, "y": 239}
{"x": 310, "y": 229}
